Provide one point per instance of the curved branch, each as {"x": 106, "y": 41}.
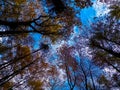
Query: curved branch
{"x": 20, "y": 23}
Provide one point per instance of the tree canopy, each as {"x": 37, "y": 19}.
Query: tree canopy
{"x": 54, "y": 64}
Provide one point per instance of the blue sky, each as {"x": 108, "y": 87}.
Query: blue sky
{"x": 87, "y": 15}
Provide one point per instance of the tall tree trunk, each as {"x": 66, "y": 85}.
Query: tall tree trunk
{"x": 94, "y": 88}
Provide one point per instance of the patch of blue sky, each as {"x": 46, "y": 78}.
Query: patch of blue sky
{"x": 87, "y": 15}
{"x": 37, "y": 39}
{"x": 76, "y": 30}
{"x": 64, "y": 86}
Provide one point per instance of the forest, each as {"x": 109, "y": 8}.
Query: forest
{"x": 59, "y": 45}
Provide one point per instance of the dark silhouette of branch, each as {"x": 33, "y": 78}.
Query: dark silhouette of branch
{"x": 17, "y": 59}
{"x": 15, "y": 24}
{"x": 85, "y": 76}
{"x": 8, "y": 77}
{"x": 71, "y": 82}
{"x": 117, "y": 54}
{"x": 94, "y": 88}
{"x": 118, "y": 70}
{"x": 43, "y": 32}
{"x": 108, "y": 50}
{"x": 113, "y": 41}
{"x": 20, "y": 23}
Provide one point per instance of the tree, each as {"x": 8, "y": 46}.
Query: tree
{"x": 70, "y": 66}
{"x": 105, "y": 41}
{"x": 80, "y": 72}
